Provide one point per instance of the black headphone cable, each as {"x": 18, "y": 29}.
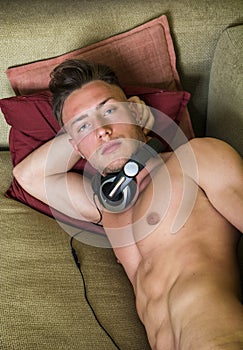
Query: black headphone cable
{"x": 75, "y": 257}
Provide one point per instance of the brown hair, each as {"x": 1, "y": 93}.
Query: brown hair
{"x": 73, "y": 74}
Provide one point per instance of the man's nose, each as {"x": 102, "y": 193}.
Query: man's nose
{"x": 104, "y": 132}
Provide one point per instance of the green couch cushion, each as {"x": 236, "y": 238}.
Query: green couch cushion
{"x": 42, "y": 296}
{"x": 43, "y": 304}
{"x": 225, "y": 101}
{"x": 111, "y": 295}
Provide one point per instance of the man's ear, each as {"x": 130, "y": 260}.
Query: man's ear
{"x": 73, "y": 143}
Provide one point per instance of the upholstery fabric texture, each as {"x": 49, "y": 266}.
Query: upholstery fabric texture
{"x": 43, "y": 303}
{"x": 225, "y": 104}
{"x": 125, "y": 53}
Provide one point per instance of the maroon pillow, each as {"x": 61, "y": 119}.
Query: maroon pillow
{"x": 32, "y": 124}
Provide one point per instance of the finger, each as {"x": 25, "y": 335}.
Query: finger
{"x": 138, "y": 106}
{"x": 135, "y": 99}
{"x": 144, "y": 116}
{"x": 149, "y": 120}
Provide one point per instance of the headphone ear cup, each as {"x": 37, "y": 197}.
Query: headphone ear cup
{"x": 101, "y": 186}
{"x": 117, "y": 190}
{"x": 98, "y": 181}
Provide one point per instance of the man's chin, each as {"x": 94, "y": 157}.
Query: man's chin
{"x": 114, "y": 166}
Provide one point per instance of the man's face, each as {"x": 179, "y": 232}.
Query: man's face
{"x": 102, "y": 125}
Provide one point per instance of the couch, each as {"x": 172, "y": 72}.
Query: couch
{"x": 46, "y": 302}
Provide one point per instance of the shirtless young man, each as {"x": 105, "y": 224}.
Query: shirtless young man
{"x": 186, "y": 281}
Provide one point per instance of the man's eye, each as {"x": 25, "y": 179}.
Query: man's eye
{"x": 83, "y": 127}
{"x": 109, "y": 111}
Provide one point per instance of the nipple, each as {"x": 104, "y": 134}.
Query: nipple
{"x": 153, "y": 218}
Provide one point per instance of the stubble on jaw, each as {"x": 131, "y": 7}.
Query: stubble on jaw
{"x": 117, "y": 164}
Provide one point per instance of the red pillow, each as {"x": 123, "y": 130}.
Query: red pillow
{"x": 32, "y": 124}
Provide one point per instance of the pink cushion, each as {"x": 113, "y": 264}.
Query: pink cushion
{"x": 32, "y": 123}
{"x": 142, "y": 56}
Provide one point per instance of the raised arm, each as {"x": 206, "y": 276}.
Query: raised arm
{"x": 220, "y": 170}
{"x": 44, "y": 174}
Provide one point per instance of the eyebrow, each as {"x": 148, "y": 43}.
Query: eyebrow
{"x": 81, "y": 117}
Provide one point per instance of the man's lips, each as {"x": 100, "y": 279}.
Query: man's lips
{"x": 110, "y": 147}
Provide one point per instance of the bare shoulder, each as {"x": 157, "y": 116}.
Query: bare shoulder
{"x": 215, "y": 160}
{"x": 208, "y": 146}
{"x": 211, "y": 151}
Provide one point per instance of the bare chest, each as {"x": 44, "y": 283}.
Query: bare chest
{"x": 173, "y": 210}
{"x": 165, "y": 206}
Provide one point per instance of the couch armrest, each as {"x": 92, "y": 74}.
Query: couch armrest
{"x": 225, "y": 103}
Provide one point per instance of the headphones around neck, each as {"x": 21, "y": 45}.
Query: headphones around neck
{"x": 117, "y": 190}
